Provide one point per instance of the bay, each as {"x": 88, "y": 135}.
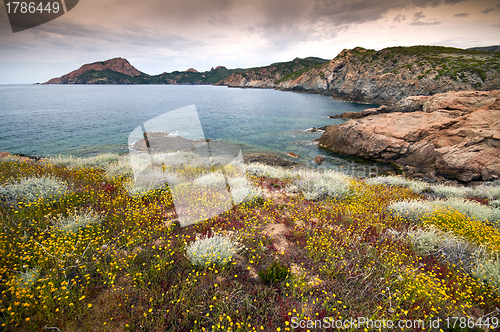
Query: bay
{"x": 83, "y": 120}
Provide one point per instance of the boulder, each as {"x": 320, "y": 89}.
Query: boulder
{"x": 454, "y": 134}
{"x": 319, "y": 160}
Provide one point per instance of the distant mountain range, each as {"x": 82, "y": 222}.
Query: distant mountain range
{"x": 358, "y": 74}
{"x": 120, "y": 71}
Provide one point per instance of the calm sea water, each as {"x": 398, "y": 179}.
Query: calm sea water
{"x": 82, "y": 120}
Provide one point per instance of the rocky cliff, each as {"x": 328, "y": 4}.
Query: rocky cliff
{"x": 453, "y": 134}
{"x": 391, "y": 74}
{"x": 269, "y": 76}
{"x": 384, "y": 76}
{"x": 118, "y": 66}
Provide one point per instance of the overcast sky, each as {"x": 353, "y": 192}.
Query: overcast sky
{"x": 167, "y": 35}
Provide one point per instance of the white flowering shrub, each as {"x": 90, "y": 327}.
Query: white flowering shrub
{"x": 27, "y": 278}
{"x": 150, "y": 179}
{"x": 450, "y": 191}
{"x": 445, "y": 245}
{"x": 74, "y": 222}
{"x": 214, "y": 179}
{"x": 118, "y": 171}
{"x": 216, "y": 249}
{"x": 489, "y": 191}
{"x": 330, "y": 184}
{"x": 100, "y": 160}
{"x": 412, "y": 211}
{"x": 273, "y": 172}
{"x": 495, "y": 204}
{"x": 425, "y": 241}
{"x": 487, "y": 269}
{"x": 31, "y": 189}
{"x": 414, "y": 185}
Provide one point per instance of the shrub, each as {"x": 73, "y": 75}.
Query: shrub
{"x": 216, "y": 249}
{"x": 28, "y": 278}
{"x": 490, "y": 191}
{"x": 412, "y": 211}
{"x": 74, "y": 222}
{"x": 276, "y": 272}
{"x": 487, "y": 269}
{"x": 471, "y": 209}
{"x": 414, "y": 185}
{"x": 150, "y": 179}
{"x": 100, "y": 160}
{"x": 270, "y": 171}
{"x": 118, "y": 172}
{"x": 214, "y": 179}
{"x": 495, "y": 203}
{"x": 450, "y": 191}
{"x": 446, "y": 246}
{"x": 247, "y": 194}
{"x": 425, "y": 241}
{"x": 330, "y": 184}
{"x": 32, "y": 189}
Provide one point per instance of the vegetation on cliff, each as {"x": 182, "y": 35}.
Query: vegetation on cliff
{"x": 273, "y": 74}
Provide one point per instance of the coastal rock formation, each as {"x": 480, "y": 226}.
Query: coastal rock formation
{"x": 384, "y": 76}
{"x": 392, "y": 74}
{"x": 454, "y": 134}
{"x": 267, "y": 77}
{"x": 117, "y": 65}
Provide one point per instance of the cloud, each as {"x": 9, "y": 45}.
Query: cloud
{"x": 418, "y": 16}
{"x": 416, "y": 20}
{"x": 399, "y": 18}
{"x": 487, "y": 10}
{"x": 461, "y": 15}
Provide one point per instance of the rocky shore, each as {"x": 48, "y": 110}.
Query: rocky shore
{"x": 454, "y": 134}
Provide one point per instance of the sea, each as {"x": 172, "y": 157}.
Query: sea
{"x": 84, "y": 120}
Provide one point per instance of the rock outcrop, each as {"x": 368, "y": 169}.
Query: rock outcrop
{"x": 117, "y": 65}
{"x": 454, "y": 134}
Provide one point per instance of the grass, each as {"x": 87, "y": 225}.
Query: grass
{"x": 126, "y": 264}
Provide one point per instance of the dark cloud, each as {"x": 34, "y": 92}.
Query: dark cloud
{"x": 487, "y": 10}
{"x": 399, "y": 18}
{"x": 420, "y": 23}
{"x": 341, "y": 12}
{"x": 461, "y": 15}
{"x": 418, "y": 16}
{"x": 416, "y": 20}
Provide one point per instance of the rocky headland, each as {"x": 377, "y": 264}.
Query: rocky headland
{"x": 116, "y": 65}
{"x": 452, "y": 134}
{"x": 392, "y": 74}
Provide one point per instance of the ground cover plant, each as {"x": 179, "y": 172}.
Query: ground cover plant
{"x": 103, "y": 255}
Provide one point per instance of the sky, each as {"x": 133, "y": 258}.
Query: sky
{"x": 158, "y": 36}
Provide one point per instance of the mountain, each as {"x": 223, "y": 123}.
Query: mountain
{"x": 192, "y": 76}
{"x": 495, "y": 48}
{"x": 269, "y": 76}
{"x": 117, "y": 70}
{"x": 120, "y": 71}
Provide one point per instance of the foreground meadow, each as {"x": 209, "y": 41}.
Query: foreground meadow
{"x": 85, "y": 248}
